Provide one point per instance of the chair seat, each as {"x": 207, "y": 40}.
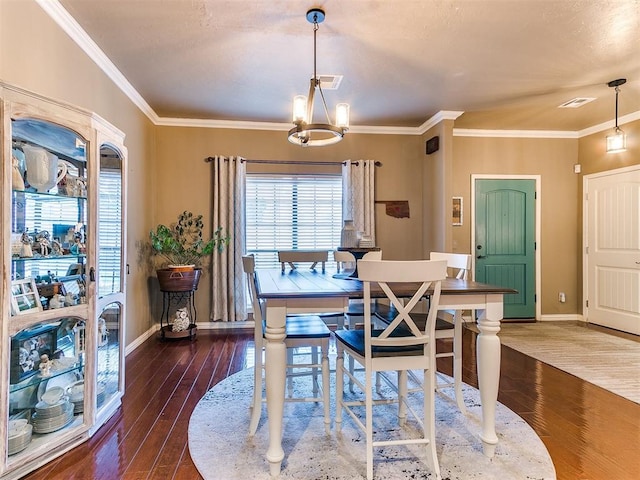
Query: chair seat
{"x": 307, "y": 326}
{"x": 354, "y": 340}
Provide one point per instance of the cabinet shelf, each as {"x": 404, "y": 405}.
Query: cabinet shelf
{"x": 37, "y": 379}
{"x": 39, "y": 258}
{"x": 48, "y": 194}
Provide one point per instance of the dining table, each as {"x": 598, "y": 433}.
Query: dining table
{"x": 303, "y": 290}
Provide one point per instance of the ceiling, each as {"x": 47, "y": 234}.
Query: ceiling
{"x": 507, "y": 64}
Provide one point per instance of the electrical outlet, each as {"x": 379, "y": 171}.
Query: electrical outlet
{"x": 562, "y": 297}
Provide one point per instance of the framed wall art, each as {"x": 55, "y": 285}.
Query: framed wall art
{"x": 24, "y": 297}
{"x": 456, "y": 212}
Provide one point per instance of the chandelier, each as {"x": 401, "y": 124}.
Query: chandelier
{"x": 306, "y": 133}
{"x": 617, "y": 142}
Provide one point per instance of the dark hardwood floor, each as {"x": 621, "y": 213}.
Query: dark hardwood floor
{"x": 590, "y": 433}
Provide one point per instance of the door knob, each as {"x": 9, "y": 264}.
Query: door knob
{"x": 481, "y": 256}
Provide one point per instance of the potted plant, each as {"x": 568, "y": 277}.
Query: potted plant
{"x": 184, "y": 250}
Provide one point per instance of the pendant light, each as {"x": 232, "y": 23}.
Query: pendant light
{"x": 617, "y": 142}
{"x": 307, "y": 133}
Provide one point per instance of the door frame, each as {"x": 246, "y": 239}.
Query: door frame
{"x": 585, "y": 230}
{"x": 538, "y": 210}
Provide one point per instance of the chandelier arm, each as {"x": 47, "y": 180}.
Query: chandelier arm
{"x": 312, "y": 91}
{"x": 324, "y": 104}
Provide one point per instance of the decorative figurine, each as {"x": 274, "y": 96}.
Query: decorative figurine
{"x": 26, "y": 240}
{"x": 56, "y": 248}
{"x": 44, "y": 242}
{"x": 103, "y": 333}
{"x": 181, "y": 322}
{"x": 45, "y": 365}
{"x": 16, "y": 175}
{"x": 57, "y": 301}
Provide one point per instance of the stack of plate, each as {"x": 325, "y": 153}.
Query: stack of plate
{"x": 75, "y": 391}
{"x": 19, "y": 435}
{"x": 49, "y": 418}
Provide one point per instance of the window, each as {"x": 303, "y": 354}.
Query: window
{"x": 291, "y": 212}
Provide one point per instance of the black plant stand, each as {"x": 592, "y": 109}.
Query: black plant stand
{"x": 178, "y": 299}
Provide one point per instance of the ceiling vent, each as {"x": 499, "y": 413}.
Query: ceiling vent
{"x": 576, "y": 102}
{"x": 330, "y": 82}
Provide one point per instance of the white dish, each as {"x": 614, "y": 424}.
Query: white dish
{"x": 57, "y": 381}
{"x": 53, "y": 395}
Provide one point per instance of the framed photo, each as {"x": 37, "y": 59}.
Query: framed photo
{"x": 26, "y": 348}
{"x": 24, "y": 297}
{"x": 456, "y": 212}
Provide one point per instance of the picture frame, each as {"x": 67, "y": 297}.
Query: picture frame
{"x": 26, "y": 348}
{"x": 456, "y": 211}
{"x": 25, "y": 297}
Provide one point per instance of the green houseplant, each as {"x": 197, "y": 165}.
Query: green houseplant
{"x": 183, "y": 248}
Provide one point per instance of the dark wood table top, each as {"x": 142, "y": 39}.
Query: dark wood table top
{"x": 303, "y": 283}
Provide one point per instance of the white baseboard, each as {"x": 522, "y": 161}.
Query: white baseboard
{"x": 562, "y": 317}
{"x": 141, "y": 339}
{"x": 201, "y": 326}
{"x": 224, "y": 325}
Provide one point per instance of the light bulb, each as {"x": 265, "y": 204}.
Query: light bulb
{"x": 299, "y": 109}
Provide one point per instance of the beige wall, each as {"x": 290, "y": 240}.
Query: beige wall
{"x": 37, "y": 55}
{"x": 184, "y": 177}
{"x": 553, "y": 160}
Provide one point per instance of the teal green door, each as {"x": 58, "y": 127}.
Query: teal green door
{"x": 505, "y": 241}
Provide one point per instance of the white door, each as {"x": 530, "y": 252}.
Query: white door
{"x": 612, "y": 254}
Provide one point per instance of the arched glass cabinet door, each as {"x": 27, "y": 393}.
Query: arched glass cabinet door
{"x": 110, "y": 282}
{"x": 110, "y": 226}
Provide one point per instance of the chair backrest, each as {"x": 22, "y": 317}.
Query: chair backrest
{"x": 411, "y": 279}
{"x": 292, "y": 257}
{"x": 342, "y": 257}
{"x": 373, "y": 255}
{"x": 249, "y": 267}
{"x": 459, "y": 263}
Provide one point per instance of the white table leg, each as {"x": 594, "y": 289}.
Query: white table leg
{"x": 488, "y": 347}
{"x": 275, "y": 376}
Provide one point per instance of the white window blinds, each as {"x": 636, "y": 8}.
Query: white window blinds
{"x": 291, "y": 212}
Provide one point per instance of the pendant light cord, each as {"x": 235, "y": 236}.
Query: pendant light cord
{"x": 617, "y": 91}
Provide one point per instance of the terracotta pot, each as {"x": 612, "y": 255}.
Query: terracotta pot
{"x": 172, "y": 280}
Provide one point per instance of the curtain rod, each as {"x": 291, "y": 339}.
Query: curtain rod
{"x": 295, "y": 162}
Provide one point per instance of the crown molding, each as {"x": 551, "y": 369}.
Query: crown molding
{"x": 437, "y": 118}
{"x": 69, "y": 25}
{"x": 631, "y": 117}
{"x": 471, "y": 132}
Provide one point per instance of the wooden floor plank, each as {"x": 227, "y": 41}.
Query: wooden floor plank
{"x": 590, "y": 433}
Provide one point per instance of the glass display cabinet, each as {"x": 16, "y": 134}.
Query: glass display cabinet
{"x": 64, "y": 291}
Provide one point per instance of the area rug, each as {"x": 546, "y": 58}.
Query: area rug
{"x": 221, "y": 449}
{"x": 605, "y": 360}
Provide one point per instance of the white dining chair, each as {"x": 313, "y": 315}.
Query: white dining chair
{"x": 293, "y": 257}
{"x": 332, "y": 314}
{"x": 301, "y": 331}
{"x": 400, "y": 346}
{"x": 448, "y": 327}
{"x": 344, "y": 260}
